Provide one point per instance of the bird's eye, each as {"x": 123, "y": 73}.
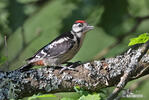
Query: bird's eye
{"x": 80, "y": 25}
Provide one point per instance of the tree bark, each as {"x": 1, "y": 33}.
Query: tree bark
{"x": 91, "y": 76}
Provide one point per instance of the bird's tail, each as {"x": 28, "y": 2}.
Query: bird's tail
{"x": 25, "y": 67}
{"x": 29, "y": 59}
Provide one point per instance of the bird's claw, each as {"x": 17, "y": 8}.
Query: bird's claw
{"x": 70, "y": 67}
{"x": 66, "y": 68}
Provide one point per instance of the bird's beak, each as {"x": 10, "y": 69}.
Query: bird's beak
{"x": 89, "y": 27}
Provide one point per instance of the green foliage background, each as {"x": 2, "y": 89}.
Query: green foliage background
{"x": 37, "y": 22}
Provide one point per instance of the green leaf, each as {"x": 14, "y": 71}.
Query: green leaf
{"x": 90, "y": 97}
{"x": 66, "y": 95}
{"x": 80, "y": 90}
{"x": 77, "y": 88}
{"x": 143, "y": 38}
{"x": 3, "y": 59}
{"x": 46, "y": 95}
{"x": 67, "y": 99}
{"x": 41, "y": 96}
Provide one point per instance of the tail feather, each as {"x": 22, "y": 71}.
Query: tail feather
{"x": 25, "y": 67}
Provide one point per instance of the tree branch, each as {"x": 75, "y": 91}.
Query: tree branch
{"x": 91, "y": 76}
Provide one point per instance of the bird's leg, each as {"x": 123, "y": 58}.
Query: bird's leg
{"x": 70, "y": 66}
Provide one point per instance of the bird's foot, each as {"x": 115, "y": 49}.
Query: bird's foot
{"x": 66, "y": 68}
{"x": 70, "y": 66}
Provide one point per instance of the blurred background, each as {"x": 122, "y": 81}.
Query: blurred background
{"x": 28, "y": 25}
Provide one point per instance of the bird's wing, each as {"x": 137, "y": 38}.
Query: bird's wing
{"x": 58, "y": 47}
{"x": 54, "y": 49}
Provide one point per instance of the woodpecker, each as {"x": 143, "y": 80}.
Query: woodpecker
{"x": 61, "y": 49}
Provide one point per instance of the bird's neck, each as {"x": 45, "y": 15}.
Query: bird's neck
{"x": 79, "y": 37}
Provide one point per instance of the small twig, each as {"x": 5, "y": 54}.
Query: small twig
{"x": 23, "y": 37}
{"x": 119, "y": 87}
{"x": 133, "y": 87}
{"x": 3, "y": 45}
{"x": 0, "y": 35}
{"x": 6, "y": 51}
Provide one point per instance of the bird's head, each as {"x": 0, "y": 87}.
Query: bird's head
{"x": 80, "y": 26}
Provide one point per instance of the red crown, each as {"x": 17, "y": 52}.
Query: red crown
{"x": 80, "y": 21}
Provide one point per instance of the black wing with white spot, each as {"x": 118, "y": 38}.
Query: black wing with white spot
{"x": 57, "y": 47}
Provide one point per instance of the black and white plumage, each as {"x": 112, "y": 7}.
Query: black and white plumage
{"x": 61, "y": 49}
